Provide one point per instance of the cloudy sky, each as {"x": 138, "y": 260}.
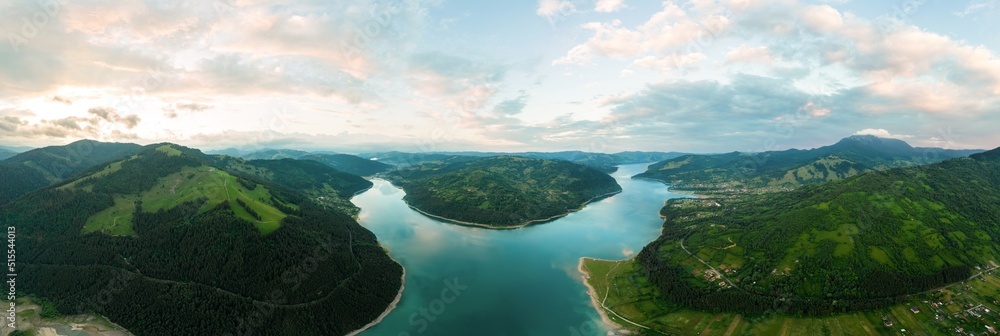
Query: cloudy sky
{"x": 513, "y": 75}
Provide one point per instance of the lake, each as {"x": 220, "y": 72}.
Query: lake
{"x": 473, "y": 281}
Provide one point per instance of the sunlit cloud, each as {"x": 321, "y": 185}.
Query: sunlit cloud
{"x": 600, "y": 75}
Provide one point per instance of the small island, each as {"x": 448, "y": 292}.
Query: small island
{"x": 502, "y": 192}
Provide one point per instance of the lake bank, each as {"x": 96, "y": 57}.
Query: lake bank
{"x": 518, "y": 226}
{"x": 511, "y": 282}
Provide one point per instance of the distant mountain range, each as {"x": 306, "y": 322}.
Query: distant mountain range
{"x": 349, "y": 163}
{"x": 40, "y": 167}
{"x": 5, "y": 153}
{"x": 604, "y": 162}
{"x": 784, "y": 170}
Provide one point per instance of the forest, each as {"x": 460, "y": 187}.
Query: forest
{"x": 196, "y": 270}
{"x": 860, "y": 243}
{"x": 741, "y": 173}
{"x": 37, "y": 168}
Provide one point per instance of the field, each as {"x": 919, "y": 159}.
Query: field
{"x": 190, "y": 184}
{"x": 116, "y": 220}
{"x": 970, "y": 306}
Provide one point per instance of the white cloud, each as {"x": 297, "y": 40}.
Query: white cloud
{"x": 551, "y": 9}
{"x": 609, "y": 6}
{"x": 667, "y": 64}
{"x": 748, "y": 54}
{"x": 822, "y": 17}
{"x": 658, "y": 39}
{"x": 978, "y": 6}
{"x": 882, "y": 133}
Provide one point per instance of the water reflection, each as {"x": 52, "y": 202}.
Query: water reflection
{"x": 520, "y": 282}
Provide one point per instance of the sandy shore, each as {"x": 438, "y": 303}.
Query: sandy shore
{"x": 392, "y": 306}
{"x": 594, "y": 300}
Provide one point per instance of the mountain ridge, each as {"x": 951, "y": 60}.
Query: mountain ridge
{"x": 738, "y": 172}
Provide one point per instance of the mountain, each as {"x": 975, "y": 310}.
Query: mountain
{"x": 234, "y": 152}
{"x": 4, "y": 154}
{"x": 401, "y": 159}
{"x": 783, "y": 170}
{"x": 847, "y": 245}
{"x": 169, "y": 242}
{"x": 501, "y": 191}
{"x": 275, "y": 154}
{"x": 349, "y": 163}
{"x": 604, "y": 162}
{"x": 324, "y": 185}
{"x": 38, "y": 168}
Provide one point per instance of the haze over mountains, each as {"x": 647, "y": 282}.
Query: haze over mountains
{"x": 784, "y": 170}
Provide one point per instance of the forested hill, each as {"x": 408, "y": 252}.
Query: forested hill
{"x": 40, "y": 167}
{"x": 503, "y": 191}
{"x": 349, "y": 163}
{"x": 167, "y": 242}
{"x": 607, "y": 163}
{"x": 323, "y": 184}
{"x": 843, "y": 245}
{"x": 274, "y": 154}
{"x": 736, "y": 172}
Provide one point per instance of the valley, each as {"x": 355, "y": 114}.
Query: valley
{"x": 806, "y": 258}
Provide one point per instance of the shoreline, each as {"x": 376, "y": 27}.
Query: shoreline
{"x": 362, "y": 191}
{"x": 592, "y": 292}
{"x": 399, "y": 295}
{"x": 670, "y": 187}
{"x": 392, "y": 306}
{"x": 513, "y": 227}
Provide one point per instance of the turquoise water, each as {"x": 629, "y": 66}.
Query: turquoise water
{"x": 471, "y": 281}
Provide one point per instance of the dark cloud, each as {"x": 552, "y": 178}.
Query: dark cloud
{"x": 63, "y": 100}
{"x": 512, "y": 106}
{"x": 111, "y": 115}
{"x": 195, "y": 107}
{"x": 10, "y": 124}
{"x": 106, "y": 113}
{"x": 71, "y": 123}
{"x": 130, "y": 121}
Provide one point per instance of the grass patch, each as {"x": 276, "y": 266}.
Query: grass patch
{"x": 116, "y": 220}
{"x": 190, "y": 184}
{"x": 963, "y": 306}
{"x": 169, "y": 150}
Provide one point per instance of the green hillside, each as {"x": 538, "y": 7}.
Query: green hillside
{"x": 274, "y": 154}
{"x": 37, "y": 168}
{"x": 607, "y": 163}
{"x": 736, "y": 173}
{"x": 349, "y": 163}
{"x": 323, "y": 184}
{"x": 859, "y": 243}
{"x": 502, "y": 192}
{"x": 162, "y": 238}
